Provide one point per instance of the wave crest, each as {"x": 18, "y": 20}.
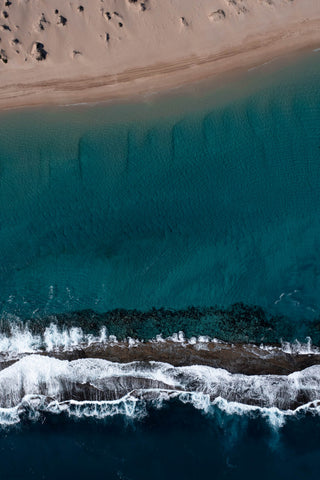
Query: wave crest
{"x": 100, "y": 388}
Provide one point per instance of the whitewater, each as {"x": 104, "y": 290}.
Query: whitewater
{"x": 50, "y": 372}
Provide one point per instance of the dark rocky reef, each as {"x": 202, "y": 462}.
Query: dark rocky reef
{"x": 238, "y": 323}
{"x": 238, "y": 358}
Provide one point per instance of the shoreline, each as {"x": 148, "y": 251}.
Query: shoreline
{"x": 159, "y": 78}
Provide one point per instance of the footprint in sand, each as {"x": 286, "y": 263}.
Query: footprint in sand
{"x": 217, "y": 15}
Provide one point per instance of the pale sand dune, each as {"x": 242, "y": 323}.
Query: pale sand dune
{"x": 56, "y": 51}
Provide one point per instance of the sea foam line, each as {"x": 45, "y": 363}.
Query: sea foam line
{"x": 33, "y": 407}
{"x": 21, "y": 340}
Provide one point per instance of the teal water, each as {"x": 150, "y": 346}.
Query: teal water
{"x": 199, "y": 199}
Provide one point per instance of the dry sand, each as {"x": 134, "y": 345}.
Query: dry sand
{"x": 58, "y": 51}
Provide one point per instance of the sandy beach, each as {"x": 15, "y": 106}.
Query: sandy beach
{"x": 82, "y": 51}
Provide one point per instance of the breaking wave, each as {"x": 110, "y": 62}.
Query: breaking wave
{"x": 20, "y": 340}
{"x": 99, "y": 388}
{"x": 57, "y": 368}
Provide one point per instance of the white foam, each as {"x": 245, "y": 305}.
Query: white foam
{"x": 22, "y": 341}
{"x": 37, "y": 383}
{"x": 53, "y": 338}
{"x": 300, "y": 348}
{"x": 293, "y": 348}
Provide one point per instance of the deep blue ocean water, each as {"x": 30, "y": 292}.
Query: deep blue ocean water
{"x": 175, "y": 442}
{"x": 203, "y": 198}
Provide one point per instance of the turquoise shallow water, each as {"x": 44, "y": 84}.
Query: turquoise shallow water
{"x": 198, "y": 199}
